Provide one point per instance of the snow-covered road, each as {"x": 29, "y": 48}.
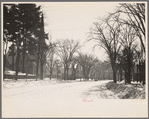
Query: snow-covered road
{"x": 77, "y": 99}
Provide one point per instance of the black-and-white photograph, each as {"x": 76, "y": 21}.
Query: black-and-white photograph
{"x": 74, "y": 59}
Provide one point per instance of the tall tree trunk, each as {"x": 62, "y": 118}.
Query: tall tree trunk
{"x": 72, "y": 74}
{"x": 13, "y": 56}
{"x": 129, "y": 68}
{"x": 114, "y": 76}
{"x": 37, "y": 68}
{"x": 137, "y": 73}
{"x": 41, "y": 70}
{"x": 114, "y": 72}
{"x": 64, "y": 72}
{"x": 120, "y": 71}
{"x": 41, "y": 50}
{"x": 113, "y": 65}
{"x": 51, "y": 71}
{"x": 57, "y": 71}
{"x": 4, "y": 54}
{"x": 125, "y": 76}
{"x": 51, "y": 67}
{"x": 129, "y": 76}
{"x": 17, "y": 62}
{"x": 84, "y": 74}
{"x": 67, "y": 72}
{"x": 4, "y": 66}
{"x": 24, "y": 54}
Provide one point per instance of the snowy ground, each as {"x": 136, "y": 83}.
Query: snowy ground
{"x": 9, "y": 72}
{"x": 57, "y": 98}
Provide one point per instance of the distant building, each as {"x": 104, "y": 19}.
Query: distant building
{"x": 30, "y": 62}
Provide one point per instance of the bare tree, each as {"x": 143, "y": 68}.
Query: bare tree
{"x": 106, "y": 35}
{"x": 135, "y": 13}
{"x": 50, "y": 61}
{"x": 65, "y": 50}
{"x": 127, "y": 40}
{"x": 86, "y": 62}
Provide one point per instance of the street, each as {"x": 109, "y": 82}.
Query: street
{"x": 76, "y": 99}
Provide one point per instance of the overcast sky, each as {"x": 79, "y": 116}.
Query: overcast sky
{"x": 73, "y": 20}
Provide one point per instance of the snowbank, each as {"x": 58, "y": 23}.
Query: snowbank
{"x": 127, "y": 91}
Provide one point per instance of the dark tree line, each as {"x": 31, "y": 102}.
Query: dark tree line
{"x": 24, "y": 28}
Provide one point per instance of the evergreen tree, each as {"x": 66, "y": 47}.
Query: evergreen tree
{"x": 24, "y": 26}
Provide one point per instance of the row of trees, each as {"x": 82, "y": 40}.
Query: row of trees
{"x": 119, "y": 34}
{"x": 65, "y": 53}
{"x": 24, "y": 28}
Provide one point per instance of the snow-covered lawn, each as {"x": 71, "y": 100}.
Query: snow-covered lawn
{"x": 9, "y": 83}
{"x": 9, "y": 72}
